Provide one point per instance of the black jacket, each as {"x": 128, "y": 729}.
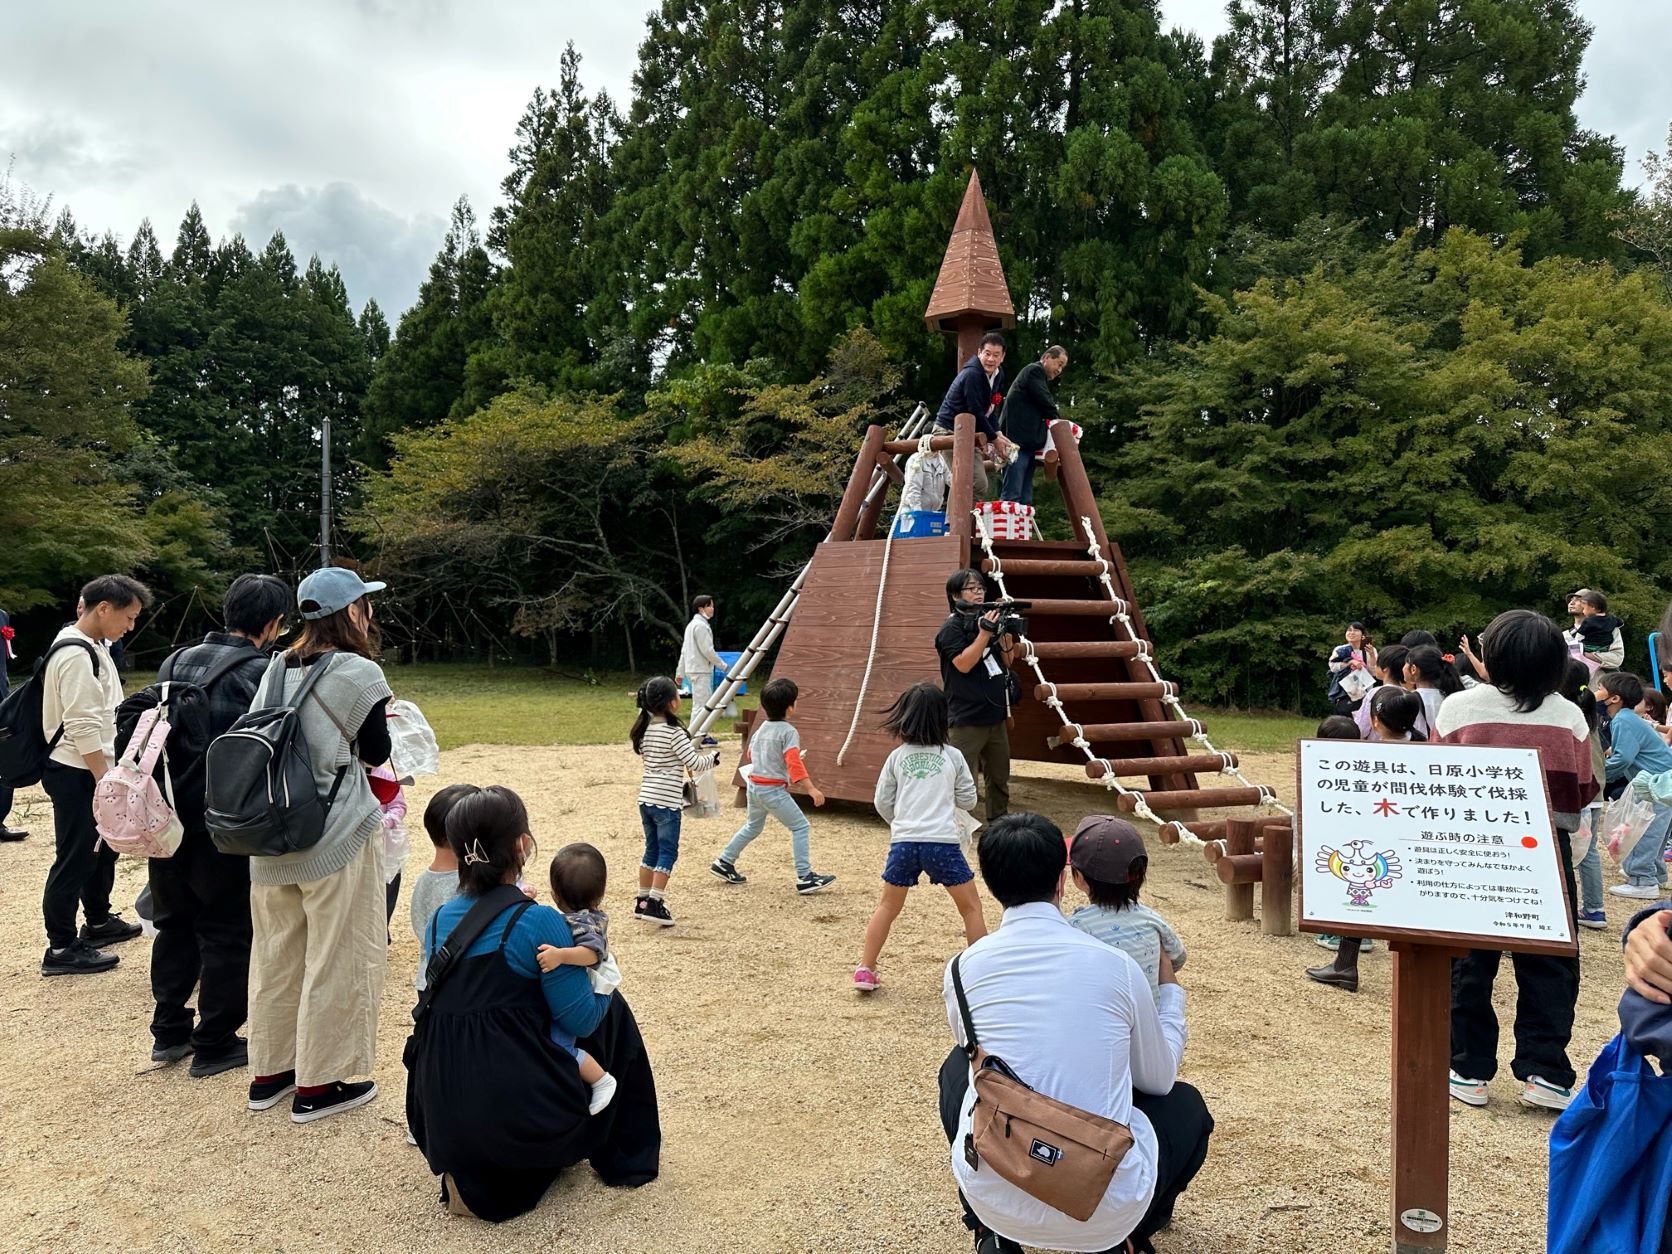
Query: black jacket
{"x": 971, "y": 394}
{"x": 1030, "y": 409}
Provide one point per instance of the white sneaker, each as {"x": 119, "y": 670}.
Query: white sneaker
{"x": 1540, "y": 1092}
{"x": 1469, "y": 1092}
{"x": 602, "y": 1093}
{"x": 1639, "y": 892}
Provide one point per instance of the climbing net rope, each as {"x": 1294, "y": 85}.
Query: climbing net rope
{"x": 1121, "y": 620}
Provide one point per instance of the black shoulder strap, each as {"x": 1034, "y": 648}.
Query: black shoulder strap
{"x": 964, "y": 1009}
{"x": 489, "y": 906}
{"x": 92, "y": 653}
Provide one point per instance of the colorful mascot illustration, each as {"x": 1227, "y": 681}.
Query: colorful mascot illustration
{"x": 1362, "y": 870}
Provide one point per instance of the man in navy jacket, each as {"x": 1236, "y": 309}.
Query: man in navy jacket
{"x": 979, "y": 390}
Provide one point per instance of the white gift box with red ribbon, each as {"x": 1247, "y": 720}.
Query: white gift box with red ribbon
{"x": 1007, "y": 520}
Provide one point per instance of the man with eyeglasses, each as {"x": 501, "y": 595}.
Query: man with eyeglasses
{"x": 980, "y": 690}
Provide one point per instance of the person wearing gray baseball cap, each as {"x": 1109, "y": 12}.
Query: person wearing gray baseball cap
{"x": 316, "y": 965}
{"x": 1109, "y": 861}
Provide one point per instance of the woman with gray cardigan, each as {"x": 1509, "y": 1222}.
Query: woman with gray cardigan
{"x": 316, "y": 965}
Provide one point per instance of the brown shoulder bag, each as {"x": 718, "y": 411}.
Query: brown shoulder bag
{"x": 1058, "y": 1153}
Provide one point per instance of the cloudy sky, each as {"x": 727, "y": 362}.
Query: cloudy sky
{"x": 353, "y": 125}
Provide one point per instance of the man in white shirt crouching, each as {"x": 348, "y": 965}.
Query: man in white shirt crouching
{"x": 1074, "y": 1018}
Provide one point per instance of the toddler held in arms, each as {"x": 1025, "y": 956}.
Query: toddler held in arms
{"x": 579, "y": 877}
{"x": 1109, "y": 862}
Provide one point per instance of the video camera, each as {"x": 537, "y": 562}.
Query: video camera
{"x": 1011, "y": 622}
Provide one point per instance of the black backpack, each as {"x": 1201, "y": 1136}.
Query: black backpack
{"x": 189, "y": 728}
{"x": 24, "y": 747}
{"x": 259, "y": 793}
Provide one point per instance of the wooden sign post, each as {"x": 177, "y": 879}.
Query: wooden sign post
{"x": 1437, "y": 849}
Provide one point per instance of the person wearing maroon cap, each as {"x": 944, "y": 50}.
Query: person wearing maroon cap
{"x": 1109, "y": 861}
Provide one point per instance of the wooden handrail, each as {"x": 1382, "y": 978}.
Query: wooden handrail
{"x": 859, "y": 483}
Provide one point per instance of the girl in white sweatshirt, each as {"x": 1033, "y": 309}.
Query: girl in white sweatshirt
{"x": 923, "y": 785}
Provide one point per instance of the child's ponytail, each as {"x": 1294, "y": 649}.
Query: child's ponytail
{"x": 654, "y": 697}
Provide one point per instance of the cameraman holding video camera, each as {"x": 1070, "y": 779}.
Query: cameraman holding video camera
{"x": 975, "y": 649}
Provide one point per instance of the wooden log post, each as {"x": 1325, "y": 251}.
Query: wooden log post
{"x": 1239, "y": 840}
{"x": 1277, "y": 881}
{"x": 960, "y": 496}
{"x": 859, "y": 482}
{"x": 872, "y": 512}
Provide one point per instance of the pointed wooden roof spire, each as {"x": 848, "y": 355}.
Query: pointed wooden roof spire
{"x": 971, "y": 291}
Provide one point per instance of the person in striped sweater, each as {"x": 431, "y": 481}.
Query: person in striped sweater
{"x": 1526, "y": 656}
{"x": 662, "y": 741}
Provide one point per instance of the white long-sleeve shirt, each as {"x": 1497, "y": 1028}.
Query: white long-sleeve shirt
{"x": 697, "y": 656}
{"x": 85, "y": 705}
{"x": 1074, "y": 1018}
{"x": 920, "y": 790}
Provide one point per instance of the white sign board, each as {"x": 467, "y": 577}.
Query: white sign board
{"x": 1452, "y": 839}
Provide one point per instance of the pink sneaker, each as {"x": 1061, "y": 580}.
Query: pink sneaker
{"x": 865, "y": 980}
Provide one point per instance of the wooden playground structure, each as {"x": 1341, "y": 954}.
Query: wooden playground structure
{"x": 858, "y": 623}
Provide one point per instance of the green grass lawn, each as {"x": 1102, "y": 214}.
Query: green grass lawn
{"x": 468, "y": 703}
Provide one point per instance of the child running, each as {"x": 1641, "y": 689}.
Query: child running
{"x": 661, "y": 740}
{"x": 1109, "y": 863}
{"x": 921, "y": 788}
{"x": 579, "y": 877}
{"x": 775, "y": 767}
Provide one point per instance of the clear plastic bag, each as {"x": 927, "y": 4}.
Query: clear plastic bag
{"x": 1624, "y": 820}
{"x": 394, "y": 849}
{"x": 412, "y": 746}
{"x": 706, "y": 803}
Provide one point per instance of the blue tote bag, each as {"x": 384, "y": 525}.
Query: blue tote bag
{"x": 1611, "y": 1159}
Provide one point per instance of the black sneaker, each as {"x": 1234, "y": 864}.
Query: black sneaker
{"x": 656, "y": 912}
{"x": 264, "y": 1095}
{"x": 8, "y": 832}
{"x": 170, "y": 1053}
{"x": 721, "y": 869}
{"x": 79, "y": 958}
{"x": 229, "y": 1059}
{"x": 113, "y": 931}
{"x": 336, "y": 1099}
{"x": 640, "y": 904}
{"x": 813, "y": 882}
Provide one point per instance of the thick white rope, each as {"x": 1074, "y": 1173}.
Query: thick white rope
{"x": 870, "y": 657}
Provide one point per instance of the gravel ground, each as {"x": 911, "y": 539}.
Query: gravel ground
{"x": 796, "y": 1115}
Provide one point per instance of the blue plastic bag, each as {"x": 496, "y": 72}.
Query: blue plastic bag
{"x": 1611, "y": 1159}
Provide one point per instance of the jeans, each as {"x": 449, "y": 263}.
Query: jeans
{"x": 1179, "y": 1118}
{"x": 1590, "y": 866}
{"x": 80, "y": 872}
{"x": 1547, "y": 989}
{"x": 774, "y": 799}
{"x": 1643, "y": 864}
{"x": 201, "y": 905}
{"x": 1018, "y": 476}
{"x": 661, "y": 838}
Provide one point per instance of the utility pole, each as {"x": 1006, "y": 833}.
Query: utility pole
{"x": 325, "y": 492}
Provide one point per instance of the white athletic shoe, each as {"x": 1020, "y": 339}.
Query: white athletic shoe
{"x": 1639, "y": 892}
{"x": 1540, "y": 1092}
{"x": 1469, "y": 1092}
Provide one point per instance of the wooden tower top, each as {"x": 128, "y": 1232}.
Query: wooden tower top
{"x": 971, "y": 291}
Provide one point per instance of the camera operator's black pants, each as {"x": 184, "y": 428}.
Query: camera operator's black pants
{"x": 1179, "y": 1118}
{"x": 200, "y": 899}
{"x": 986, "y": 751}
{"x": 82, "y": 870}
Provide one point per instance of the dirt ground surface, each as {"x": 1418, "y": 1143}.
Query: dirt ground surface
{"x": 796, "y": 1115}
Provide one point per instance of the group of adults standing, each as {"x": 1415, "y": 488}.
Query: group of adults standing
{"x": 296, "y": 944}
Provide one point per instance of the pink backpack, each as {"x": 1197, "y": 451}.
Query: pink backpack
{"x": 135, "y": 816}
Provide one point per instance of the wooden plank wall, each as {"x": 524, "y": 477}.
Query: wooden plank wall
{"x": 825, "y": 645}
